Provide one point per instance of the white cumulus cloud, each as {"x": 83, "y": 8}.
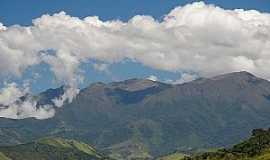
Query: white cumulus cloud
{"x": 2, "y": 27}
{"x": 185, "y": 77}
{"x": 197, "y": 37}
{"x": 10, "y": 93}
{"x": 12, "y": 106}
{"x": 153, "y": 78}
{"x": 101, "y": 67}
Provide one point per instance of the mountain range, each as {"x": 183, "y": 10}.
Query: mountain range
{"x": 140, "y": 118}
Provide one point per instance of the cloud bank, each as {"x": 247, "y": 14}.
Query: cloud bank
{"x": 12, "y": 106}
{"x": 185, "y": 77}
{"x": 197, "y": 37}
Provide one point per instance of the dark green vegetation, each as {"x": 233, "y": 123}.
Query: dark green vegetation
{"x": 255, "y": 148}
{"x": 148, "y": 119}
{"x": 51, "y": 149}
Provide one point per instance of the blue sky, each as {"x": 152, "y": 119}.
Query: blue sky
{"x": 23, "y": 11}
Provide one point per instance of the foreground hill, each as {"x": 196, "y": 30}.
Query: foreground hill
{"x": 147, "y": 118}
{"x": 51, "y": 149}
{"x": 173, "y": 156}
{"x": 255, "y": 148}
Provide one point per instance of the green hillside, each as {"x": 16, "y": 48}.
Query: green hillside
{"x": 129, "y": 150}
{"x": 51, "y": 149}
{"x": 173, "y": 156}
{"x": 3, "y": 157}
{"x": 255, "y": 148}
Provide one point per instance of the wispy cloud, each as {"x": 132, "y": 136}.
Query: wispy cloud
{"x": 12, "y": 106}
{"x": 185, "y": 77}
{"x": 153, "y": 78}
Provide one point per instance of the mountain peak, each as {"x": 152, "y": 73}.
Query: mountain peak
{"x": 242, "y": 75}
{"x": 134, "y": 84}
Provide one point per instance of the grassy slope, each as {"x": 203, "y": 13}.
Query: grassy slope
{"x": 174, "y": 156}
{"x": 51, "y": 149}
{"x": 255, "y": 148}
{"x": 129, "y": 150}
{"x": 72, "y": 144}
{"x": 264, "y": 156}
{"x": 3, "y": 157}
